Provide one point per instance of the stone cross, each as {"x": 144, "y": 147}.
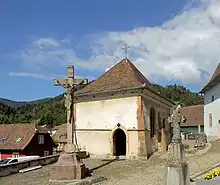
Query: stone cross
{"x": 175, "y": 120}
{"x": 70, "y": 84}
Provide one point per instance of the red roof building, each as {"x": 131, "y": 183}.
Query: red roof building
{"x": 23, "y": 140}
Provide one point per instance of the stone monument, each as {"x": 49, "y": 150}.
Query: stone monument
{"x": 69, "y": 166}
{"x": 177, "y": 167}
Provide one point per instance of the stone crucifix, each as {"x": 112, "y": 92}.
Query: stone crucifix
{"x": 70, "y": 84}
{"x": 175, "y": 120}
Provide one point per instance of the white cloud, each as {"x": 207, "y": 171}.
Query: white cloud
{"x": 44, "y": 76}
{"x": 31, "y": 75}
{"x": 183, "y": 48}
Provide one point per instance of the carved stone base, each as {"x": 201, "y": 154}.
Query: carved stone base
{"x": 69, "y": 167}
{"x": 178, "y": 175}
{"x": 176, "y": 154}
{"x": 177, "y": 168}
{"x": 70, "y": 148}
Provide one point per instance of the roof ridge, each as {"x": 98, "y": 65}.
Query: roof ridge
{"x": 135, "y": 69}
{"x": 123, "y": 75}
{"x": 192, "y": 106}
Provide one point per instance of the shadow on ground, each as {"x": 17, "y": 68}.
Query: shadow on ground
{"x": 108, "y": 161}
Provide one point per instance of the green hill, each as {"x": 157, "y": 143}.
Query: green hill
{"x": 52, "y": 111}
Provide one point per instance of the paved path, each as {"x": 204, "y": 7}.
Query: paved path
{"x": 129, "y": 172}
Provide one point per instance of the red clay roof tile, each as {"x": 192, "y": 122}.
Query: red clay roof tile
{"x": 121, "y": 76}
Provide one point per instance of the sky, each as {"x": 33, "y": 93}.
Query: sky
{"x": 177, "y": 41}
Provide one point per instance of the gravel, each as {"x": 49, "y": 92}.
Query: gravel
{"x": 129, "y": 172}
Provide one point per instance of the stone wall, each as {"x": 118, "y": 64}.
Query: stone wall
{"x": 10, "y": 169}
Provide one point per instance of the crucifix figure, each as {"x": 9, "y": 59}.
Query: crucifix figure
{"x": 175, "y": 120}
{"x": 70, "y": 84}
{"x": 125, "y": 48}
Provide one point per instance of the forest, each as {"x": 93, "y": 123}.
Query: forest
{"x": 51, "y": 111}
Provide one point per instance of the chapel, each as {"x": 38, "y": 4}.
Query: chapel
{"x": 122, "y": 114}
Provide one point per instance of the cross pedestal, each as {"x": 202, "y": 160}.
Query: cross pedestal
{"x": 69, "y": 165}
{"x": 177, "y": 167}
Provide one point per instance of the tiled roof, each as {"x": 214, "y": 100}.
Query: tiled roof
{"x": 213, "y": 81}
{"x": 60, "y": 134}
{"x": 123, "y": 75}
{"x": 12, "y": 132}
{"x": 16, "y": 136}
{"x": 43, "y": 129}
{"x": 194, "y": 115}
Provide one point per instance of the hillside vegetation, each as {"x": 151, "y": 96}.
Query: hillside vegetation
{"x": 51, "y": 111}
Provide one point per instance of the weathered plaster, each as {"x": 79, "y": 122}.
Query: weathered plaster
{"x": 96, "y": 122}
{"x": 105, "y": 114}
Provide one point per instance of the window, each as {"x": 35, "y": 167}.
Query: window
{"x": 213, "y": 98}
{"x": 210, "y": 120}
{"x": 46, "y": 153}
{"x": 18, "y": 139}
{"x": 40, "y": 139}
{"x": 13, "y": 161}
{"x": 15, "y": 155}
{"x": 2, "y": 140}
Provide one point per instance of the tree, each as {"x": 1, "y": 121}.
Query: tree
{"x": 47, "y": 119}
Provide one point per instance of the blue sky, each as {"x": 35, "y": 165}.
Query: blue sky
{"x": 172, "y": 42}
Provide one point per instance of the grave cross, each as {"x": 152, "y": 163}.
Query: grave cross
{"x": 70, "y": 84}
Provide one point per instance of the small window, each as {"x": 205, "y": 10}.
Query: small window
{"x": 15, "y": 155}
{"x": 18, "y": 139}
{"x": 13, "y": 161}
{"x": 213, "y": 98}
{"x": 210, "y": 120}
{"x": 46, "y": 153}
{"x": 40, "y": 139}
{"x": 2, "y": 140}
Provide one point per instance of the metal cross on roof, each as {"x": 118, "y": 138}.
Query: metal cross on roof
{"x": 125, "y": 48}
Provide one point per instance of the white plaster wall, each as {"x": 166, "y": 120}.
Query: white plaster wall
{"x": 133, "y": 143}
{"x": 106, "y": 114}
{"x": 98, "y": 143}
{"x": 95, "y": 142}
{"x": 214, "y": 91}
{"x": 214, "y": 108}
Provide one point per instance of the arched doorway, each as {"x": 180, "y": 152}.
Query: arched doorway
{"x": 119, "y": 143}
{"x": 152, "y": 122}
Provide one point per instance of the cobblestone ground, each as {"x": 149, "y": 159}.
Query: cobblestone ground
{"x": 129, "y": 172}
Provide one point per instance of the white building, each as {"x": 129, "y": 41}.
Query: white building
{"x": 212, "y": 106}
{"x": 121, "y": 113}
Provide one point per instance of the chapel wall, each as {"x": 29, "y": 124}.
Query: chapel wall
{"x": 161, "y": 136}
{"x": 97, "y": 120}
{"x": 106, "y": 114}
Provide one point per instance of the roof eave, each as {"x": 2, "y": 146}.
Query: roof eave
{"x": 149, "y": 89}
{"x": 109, "y": 91}
{"x": 211, "y": 84}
